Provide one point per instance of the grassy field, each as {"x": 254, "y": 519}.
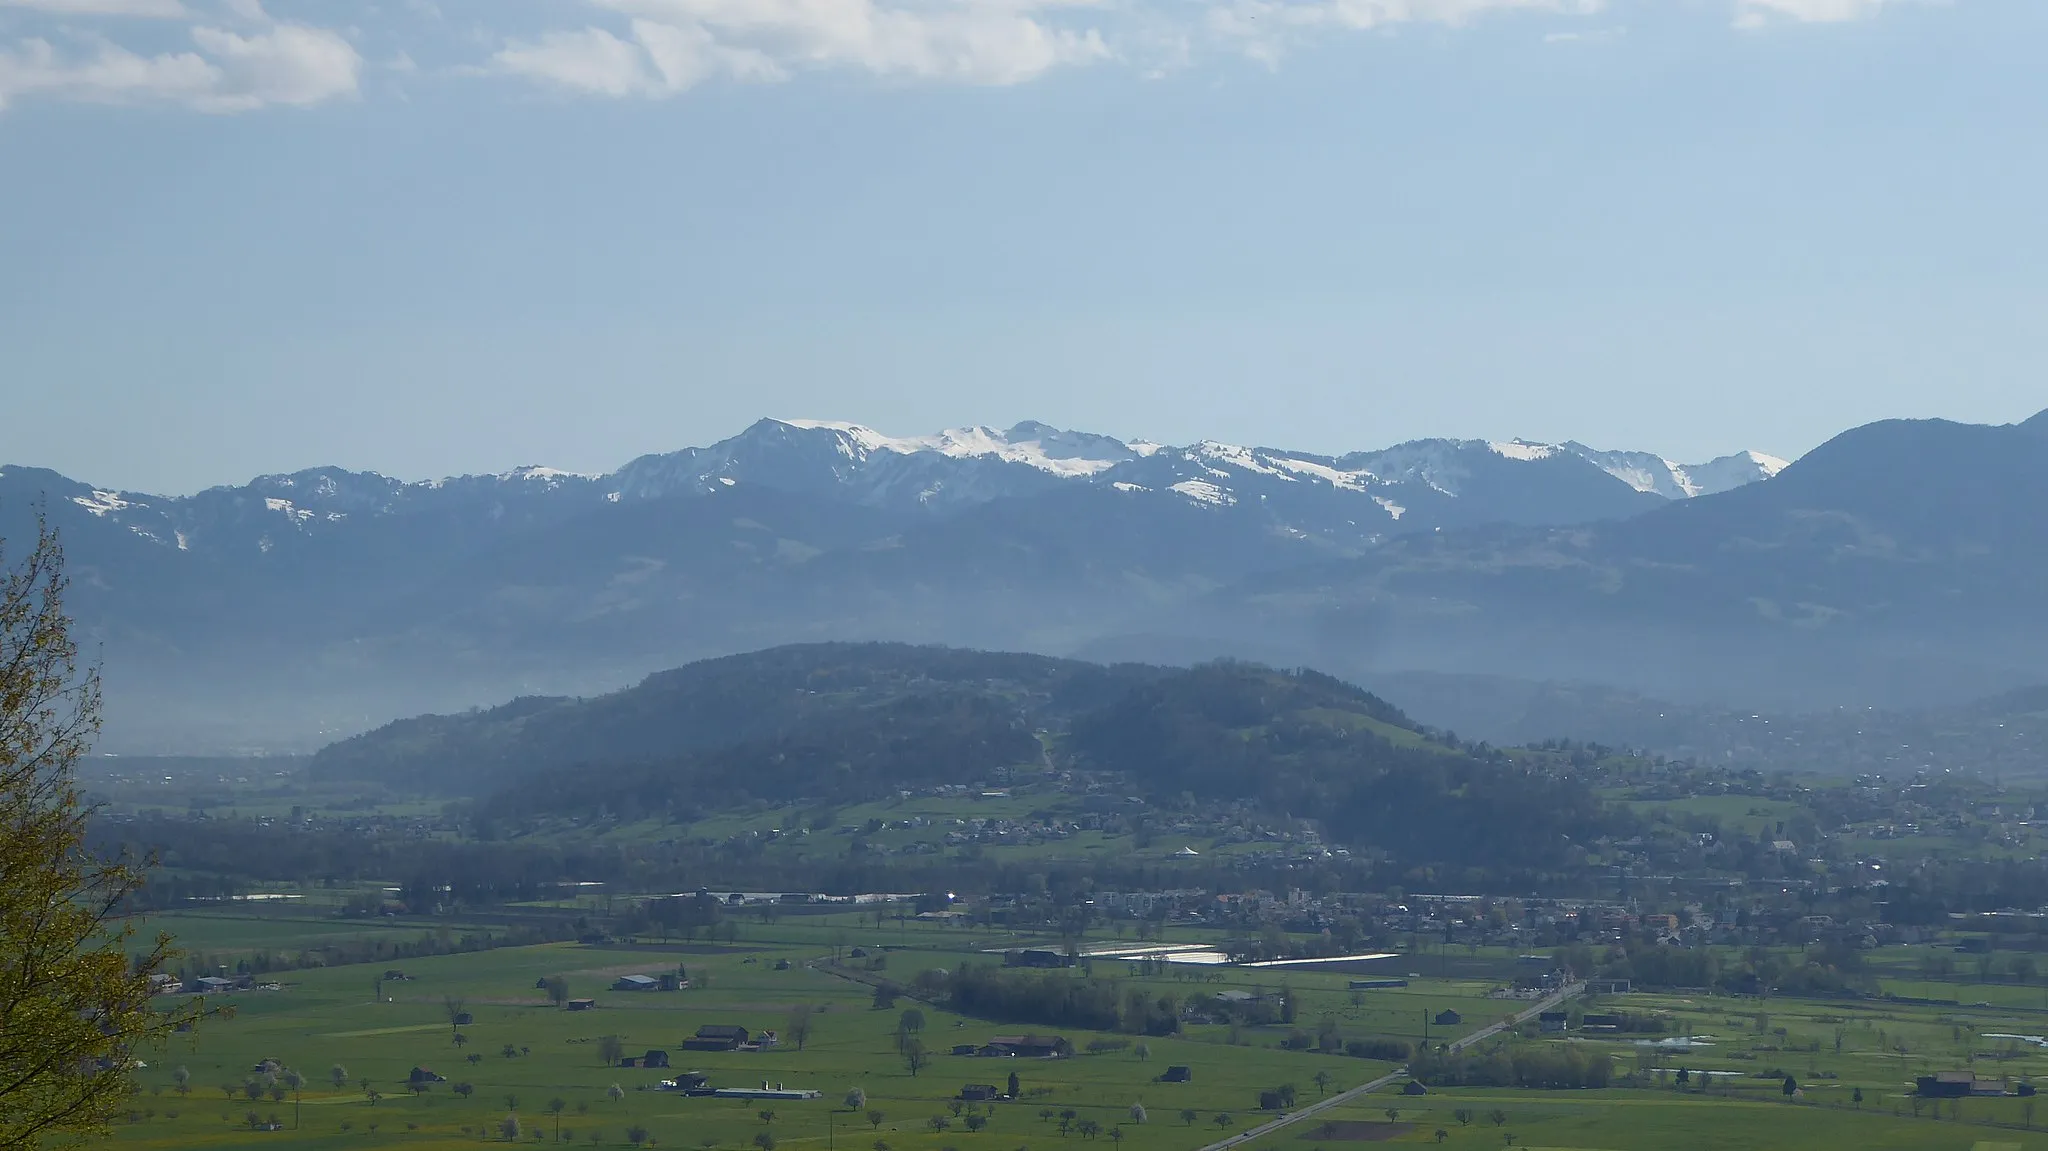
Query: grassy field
{"x": 331, "y": 1017}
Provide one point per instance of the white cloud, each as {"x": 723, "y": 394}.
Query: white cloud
{"x": 153, "y": 9}
{"x": 231, "y": 56}
{"x": 225, "y": 71}
{"x": 1758, "y": 13}
{"x": 284, "y": 64}
{"x": 676, "y": 44}
{"x": 1264, "y": 28}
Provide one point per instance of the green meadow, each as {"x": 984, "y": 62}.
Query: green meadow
{"x": 523, "y": 1056}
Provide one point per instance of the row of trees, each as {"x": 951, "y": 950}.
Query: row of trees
{"x": 1557, "y": 1066}
{"x": 1059, "y": 1000}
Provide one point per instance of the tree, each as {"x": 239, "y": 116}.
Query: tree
{"x": 1222, "y": 1120}
{"x": 1188, "y": 1115}
{"x": 459, "y": 1040}
{"x": 465, "y": 1089}
{"x": 1791, "y": 1087}
{"x": 1442, "y": 1135}
{"x": 558, "y": 990}
{"x": 1143, "y": 1052}
{"x": 1116, "y": 1135}
{"x": 1138, "y": 1114}
{"x": 875, "y": 1118}
{"x": 1497, "y": 1117}
{"x": 556, "y": 1106}
{"x": 338, "y": 1075}
{"x": 798, "y": 1025}
{"x": 1322, "y": 1083}
{"x": 1016, "y": 1087}
{"x": 454, "y": 1007}
{"x": 615, "y": 1093}
{"x": 856, "y": 1099}
{"x": 975, "y": 1120}
{"x": 765, "y": 1116}
{"x": 939, "y": 1123}
{"x": 509, "y": 1128}
{"x": 74, "y": 1003}
{"x": 907, "y": 1026}
{"x": 765, "y": 1140}
{"x": 609, "y": 1049}
{"x": 1856, "y": 1097}
{"x": 1463, "y": 1115}
{"x": 1393, "y": 1114}
{"x": 914, "y": 1056}
{"x": 182, "y": 1077}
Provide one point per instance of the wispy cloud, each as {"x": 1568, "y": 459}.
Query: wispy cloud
{"x": 231, "y": 56}
{"x": 153, "y": 9}
{"x": 1265, "y": 28}
{"x": 263, "y": 63}
{"x": 671, "y": 46}
{"x": 1759, "y": 13}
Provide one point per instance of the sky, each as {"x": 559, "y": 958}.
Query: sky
{"x": 431, "y": 237}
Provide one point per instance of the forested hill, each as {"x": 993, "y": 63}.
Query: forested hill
{"x": 1305, "y": 744}
{"x": 789, "y": 693}
{"x": 838, "y": 724}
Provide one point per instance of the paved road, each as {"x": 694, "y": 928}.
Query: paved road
{"x": 1338, "y": 1100}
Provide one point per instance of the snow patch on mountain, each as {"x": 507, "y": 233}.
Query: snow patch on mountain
{"x": 1522, "y": 450}
{"x": 100, "y": 503}
{"x": 1204, "y": 492}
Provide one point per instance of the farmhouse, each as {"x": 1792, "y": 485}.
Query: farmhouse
{"x": 692, "y": 1081}
{"x": 980, "y": 1092}
{"x": 1448, "y": 1019}
{"x": 1955, "y": 1085}
{"x": 1178, "y": 1074}
{"x": 423, "y": 1075}
{"x": 655, "y": 1057}
{"x": 582, "y": 1004}
{"x": 636, "y": 983}
{"x": 1554, "y": 1022}
{"x": 716, "y": 1037}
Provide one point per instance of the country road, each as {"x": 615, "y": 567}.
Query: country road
{"x": 1569, "y": 991}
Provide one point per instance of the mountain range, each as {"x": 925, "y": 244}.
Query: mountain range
{"x": 1897, "y": 560}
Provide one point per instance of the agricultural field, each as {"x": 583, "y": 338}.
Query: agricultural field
{"x": 355, "y": 1038}
{"x": 521, "y": 1053}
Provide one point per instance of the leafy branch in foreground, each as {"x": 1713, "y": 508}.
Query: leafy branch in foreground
{"x": 74, "y": 1005}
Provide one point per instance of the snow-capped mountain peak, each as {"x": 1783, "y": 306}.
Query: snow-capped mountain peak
{"x": 1646, "y": 472}
{"x": 1049, "y": 449}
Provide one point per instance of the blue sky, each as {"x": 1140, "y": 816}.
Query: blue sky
{"x": 430, "y": 238}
